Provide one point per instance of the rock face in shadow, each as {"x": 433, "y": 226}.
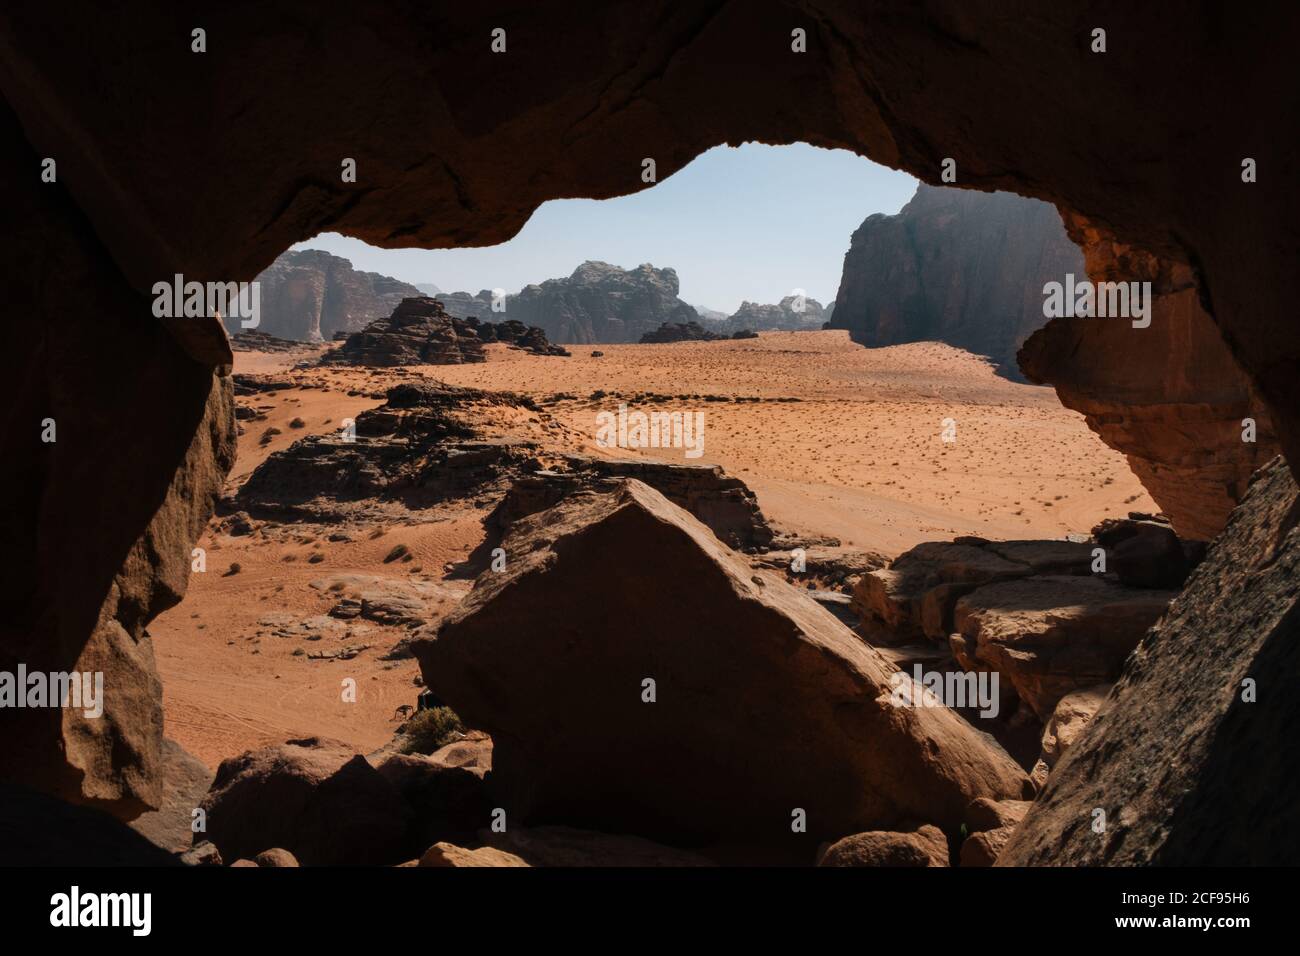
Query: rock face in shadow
{"x": 466, "y": 147}
{"x": 39, "y": 830}
{"x": 1170, "y": 396}
{"x": 308, "y": 295}
{"x": 116, "y": 441}
{"x": 1193, "y": 755}
{"x": 955, "y": 266}
{"x": 316, "y": 798}
{"x": 729, "y": 650}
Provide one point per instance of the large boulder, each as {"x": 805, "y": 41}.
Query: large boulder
{"x": 723, "y": 502}
{"x": 1072, "y": 714}
{"x": 185, "y": 780}
{"x": 764, "y": 703}
{"x": 914, "y": 597}
{"x": 1192, "y": 757}
{"x": 925, "y": 846}
{"x": 1053, "y": 634}
{"x": 316, "y": 798}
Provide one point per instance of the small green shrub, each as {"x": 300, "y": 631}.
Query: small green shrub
{"x": 429, "y": 730}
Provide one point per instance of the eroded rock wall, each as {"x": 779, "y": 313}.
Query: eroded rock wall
{"x": 955, "y": 266}
{"x": 99, "y": 523}
{"x": 1192, "y": 757}
{"x": 1169, "y": 396}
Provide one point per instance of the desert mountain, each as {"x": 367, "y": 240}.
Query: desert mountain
{"x": 597, "y": 303}
{"x": 783, "y": 316}
{"x": 956, "y": 266}
{"x": 308, "y": 295}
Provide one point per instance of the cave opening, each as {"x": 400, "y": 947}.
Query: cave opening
{"x": 321, "y": 560}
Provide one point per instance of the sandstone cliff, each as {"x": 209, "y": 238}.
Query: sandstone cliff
{"x": 309, "y": 295}
{"x": 955, "y": 266}
{"x": 1169, "y": 396}
{"x": 782, "y": 316}
{"x": 1191, "y": 758}
{"x": 601, "y": 303}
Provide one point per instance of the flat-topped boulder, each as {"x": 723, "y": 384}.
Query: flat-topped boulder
{"x": 638, "y": 676}
{"x": 914, "y": 597}
{"x": 1053, "y": 634}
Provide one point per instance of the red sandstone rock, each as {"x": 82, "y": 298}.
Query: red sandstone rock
{"x": 926, "y": 846}
{"x": 730, "y": 650}
{"x": 1051, "y": 635}
{"x": 316, "y": 798}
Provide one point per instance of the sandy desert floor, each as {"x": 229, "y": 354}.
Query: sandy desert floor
{"x": 835, "y": 439}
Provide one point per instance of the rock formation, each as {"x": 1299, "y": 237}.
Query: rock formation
{"x": 601, "y": 303}
{"x": 576, "y": 739}
{"x": 955, "y": 266}
{"x": 418, "y": 332}
{"x": 926, "y": 846}
{"x": 308, "y": 295}
{"x": 117, "y": 441}
{"x": 1170, "y": 396}
{"x": 467, "y": 154}
{"x": 514, "y": 333}
{"x": 679, "y": 332}
{"x": 720, "y": 501}
{"x": 767, "y": 318}
{"x": 417, "y": 449}
{"x": 1049, "y": 635}
{"x": 1192, "y": 756}
{"x": 316, "y": 798}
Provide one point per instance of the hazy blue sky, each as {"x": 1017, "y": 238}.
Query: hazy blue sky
{"x": 751, "y": 222}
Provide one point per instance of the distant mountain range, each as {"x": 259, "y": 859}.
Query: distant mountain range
{"x": 954, "y": 265}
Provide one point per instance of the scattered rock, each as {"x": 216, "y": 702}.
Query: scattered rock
{"x": 679, "y": 332}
